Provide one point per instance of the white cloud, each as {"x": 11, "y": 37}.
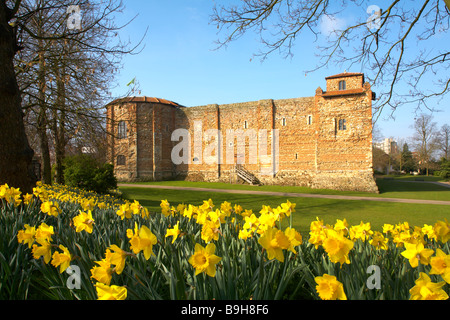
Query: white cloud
{"x": 330, "y": 25}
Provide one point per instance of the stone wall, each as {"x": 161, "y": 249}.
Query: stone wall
{"x": 313, "y": 150}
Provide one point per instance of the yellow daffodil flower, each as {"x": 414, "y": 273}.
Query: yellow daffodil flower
{"x": 204, "y": 259}
{"x": 103, "y": 272}
{"x": 142, "y": 240}
{"x": 329, "y": 288}
{"x": 62, "y": 259}
{"x": 118, "y": 258}
{"x": 425, "y": 289}
{"x": 124, "y": 211}
{"x": 442, "y": 230}
{"x": 337, "y": 247}
{"x": 44, "y": 232}
{"x": 105, "y": 292}
{"x": 27, "y": 236}
{"x": 174, "y": 232}
{"x": 294, "y": 238}
{"x": 51, "y": 208}
{"x": 274, "y": 241}
{"x": 45, "y": 250}
{"x": 416, "y": 252}
{"x": 84, "y": 221}
{"x": 440, "y": 264}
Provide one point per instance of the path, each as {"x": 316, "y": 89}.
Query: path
{"x": 290, "y": 194}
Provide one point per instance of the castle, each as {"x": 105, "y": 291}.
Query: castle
{"x": 323, "y": 141}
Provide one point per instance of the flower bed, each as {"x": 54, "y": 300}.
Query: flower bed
{"x": 69, "y": 244}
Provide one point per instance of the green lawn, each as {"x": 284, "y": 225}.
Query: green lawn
{"x": 307, "y": 209}
{"x": 396, "y": 188}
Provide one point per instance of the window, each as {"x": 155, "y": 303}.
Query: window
{"x": 283, "y": 122}
{"x": 342, "y": 85}
{"x": 296, "y": 156}
{"x": 309, "y": 120}
{"x": 121, "y": 161}
{"x": 245, "y": 124}
{"x": 122, "y": 130}
{"x": 342, "y": 124}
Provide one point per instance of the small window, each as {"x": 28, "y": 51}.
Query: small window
{"x": 121, "y": 161}
{"x": 310, "y": 120}
{"x": 122, "y": 130}
{"x": 342, "y": 124}
{"x": 245, "y": 124}
{"x": 296, "y": 156}
{"x": 342, "y": 85}
{"x": 283, "y": 122}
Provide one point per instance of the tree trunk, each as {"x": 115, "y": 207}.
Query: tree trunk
{"x": 42, "y": 120}
{"x": 16, "y": 155}
{"x": 59, "y": 129}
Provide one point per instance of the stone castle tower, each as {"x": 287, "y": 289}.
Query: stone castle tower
{"x": 323, "y": 141}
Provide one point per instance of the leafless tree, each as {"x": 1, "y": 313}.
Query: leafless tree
{"x": 378, "y": 43}
{"x": 424, "y": 140}
{"x": 66, "y": 74}
{"x": 443, "y": 141}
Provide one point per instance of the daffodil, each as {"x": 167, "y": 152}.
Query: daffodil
{"x": 416, "y": 252}
{"x": 337, "y": 247}
{"x": 317, "y": 233}
{"x": 341, "y": 226}
{"x": 274, "y": 241}
{"x": 28, "y": 199}
{"x": 288, "y": 207}
{"x": 105, "y": 292}
{"x": 124, "y": 211}
{"x": 103, "y": 271}
{"x": 361, "y": 231}
{"x": 165, "y": 208}
{"x": 27, "y": 236}
{"x": 442, "y": 230}
{"x": 44, "y": 232}
{"x": 62, "y": 260}
{"x": 142, "y": 240}
{"x": 45, "y": 250}
{"x": 117, "y": 258}
{"x": 84, "y": 221}
{"x": 51, "y": 208}
{"x": 329, "y": 288}
{"x": 174, "y": 232}
{"x": 425, "y": 289}
{"x": 204, "y": 259}
{"x": 440, "y": 264}
{"x": 188, "y": 212}
{"x": 379, "y": 241}
{"x": 294, "y": 237}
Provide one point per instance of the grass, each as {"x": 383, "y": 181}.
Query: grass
{"x": 307, "y": 209}
{"x": 399, "y": 187}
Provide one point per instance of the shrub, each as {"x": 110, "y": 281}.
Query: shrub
{"x": 83, "y": 171}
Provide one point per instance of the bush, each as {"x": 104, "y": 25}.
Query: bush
{"x": 83, "y": 171}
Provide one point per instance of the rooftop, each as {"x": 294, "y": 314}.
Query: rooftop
{"x": 146, "y": 100}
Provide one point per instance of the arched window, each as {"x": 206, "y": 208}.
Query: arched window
{"x": 342, "y": 85}
{"x": 122, "y": 130}
{"x": 121, "y": 161}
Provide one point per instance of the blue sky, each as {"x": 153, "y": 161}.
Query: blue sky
{"x": 180, "y": 63}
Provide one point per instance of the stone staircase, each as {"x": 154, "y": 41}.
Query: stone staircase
{"x": 246, "y": 175}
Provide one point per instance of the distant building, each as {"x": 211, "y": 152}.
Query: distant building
{"x": 388, "y": 145}
{"x": 325, "y": 141}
